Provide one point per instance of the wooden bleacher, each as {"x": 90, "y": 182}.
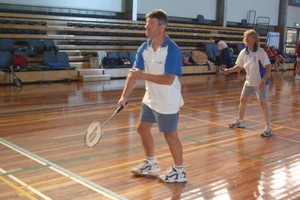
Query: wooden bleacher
{"x": 81, "y": 36}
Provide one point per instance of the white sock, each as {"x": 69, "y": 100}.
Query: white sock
{"x": 268, "y": 128}
{"x": 151, "y": 160}
{"x": 179, "y": 168}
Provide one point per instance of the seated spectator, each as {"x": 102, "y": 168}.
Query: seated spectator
{"x": 225, "y": 54}
{"x": 279, "y": 59}
{"x": 271, "y": 56}
{"x": 186, "y": 59}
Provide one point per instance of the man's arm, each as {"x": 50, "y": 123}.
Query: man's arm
{"x": 129, "y": 86}
{"x": 164, "y": 79}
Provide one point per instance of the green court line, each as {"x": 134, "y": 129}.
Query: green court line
{"x": 99, "y": 155}
{"x": 189, "y": 138}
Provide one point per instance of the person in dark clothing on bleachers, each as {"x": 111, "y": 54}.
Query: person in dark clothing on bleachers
{"x": 225, "y": 54}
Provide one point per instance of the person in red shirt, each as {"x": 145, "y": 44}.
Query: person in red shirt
{"x": 279, "y": 59}
{"x": 271, "y": 54}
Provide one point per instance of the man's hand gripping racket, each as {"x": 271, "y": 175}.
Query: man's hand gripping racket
{"x": 95, "y": 130}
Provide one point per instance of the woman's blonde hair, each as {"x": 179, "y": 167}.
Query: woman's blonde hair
{"x": 252, "y": 33}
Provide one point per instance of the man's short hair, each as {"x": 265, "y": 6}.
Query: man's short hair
{"x": 159, "y": 14}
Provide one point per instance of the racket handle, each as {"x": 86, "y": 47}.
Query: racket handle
{"x": 121, "y": 107}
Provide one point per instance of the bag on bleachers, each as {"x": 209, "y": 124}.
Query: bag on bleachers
{"x": 19, "y": 61}
{"x": 110, "y": 62}
{"x": 94, "y": 62}
{"x": 57, "y": 60}
{"x": 124, "y": 61}
{"x": 199, "y": 57}
{"x": 56, "y": 65}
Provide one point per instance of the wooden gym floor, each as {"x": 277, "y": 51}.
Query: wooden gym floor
{"x": 42, "y": 154}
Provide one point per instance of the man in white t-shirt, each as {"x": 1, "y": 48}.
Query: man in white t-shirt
{"x": 159, "y": 63}
{"x": 256, "y": 63}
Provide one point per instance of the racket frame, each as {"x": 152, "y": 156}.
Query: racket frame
{"x": 91, "y": 142}
{"x": 16, "y": 79}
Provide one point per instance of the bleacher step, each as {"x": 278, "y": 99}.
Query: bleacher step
{"x": 91, "y": 71}
{"x": 85, "y": 78}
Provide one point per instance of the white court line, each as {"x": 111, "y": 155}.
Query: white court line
{"x": 85, "y": 182}
{"x": 26, "y": 186}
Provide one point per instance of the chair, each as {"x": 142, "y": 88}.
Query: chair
{"x": 62, "y": 57}
{"x": 132, "y": 55}
{"x": 112, "y": 54}
{"x": 49, "y": 57}
{"x": 209, "y": 51}
{"x": 212, "y": 52}
{"x": 288, "y": 58}
{"x": 7, "y": 45}
{"x": 200, "y": 19}
{"x": 240, "y": 47}
{"x": 244, "y": 23}
{"x": 35, "y": 47}
{"x": 111, "y": 60}
{"x": 123, "y": 54}
{"x": 49, "y": 45}
{"x": 215, "y": 50}
{"x": 5, "y": 59}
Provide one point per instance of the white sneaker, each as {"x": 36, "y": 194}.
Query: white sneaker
{"x": 238, "y": 124}
{"x": 282, "y": 68}
{"x": 267, "y": 132}
{"x": 145, "y": 168}
{"x": 173, "y": 176}
{"x": 297, "y": 77}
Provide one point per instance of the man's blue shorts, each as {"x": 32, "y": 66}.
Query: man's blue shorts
{"x": 166, "y": 122}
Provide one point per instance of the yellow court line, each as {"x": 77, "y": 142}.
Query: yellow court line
{"x": 26, "y": 186}
{"x": 160, "y": 156}
{"x": 168, "y": 154}
{"x": 48, "y": 181}
{"x": 69, "y": 175}
{"x": 137, "y": 161}
{"x": 218, "y": 113}
{"x": 26, "y": 194}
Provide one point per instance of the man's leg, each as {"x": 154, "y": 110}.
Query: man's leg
{"x": 144, "y": 130}
{"x": 177, "y": 172}
{"x": 149, "y": 165}
{"x": 175, "y": 147}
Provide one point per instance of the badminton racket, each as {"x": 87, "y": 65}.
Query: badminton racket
{"x": 16, "y": 79}
{"x": 95, "y": 131}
